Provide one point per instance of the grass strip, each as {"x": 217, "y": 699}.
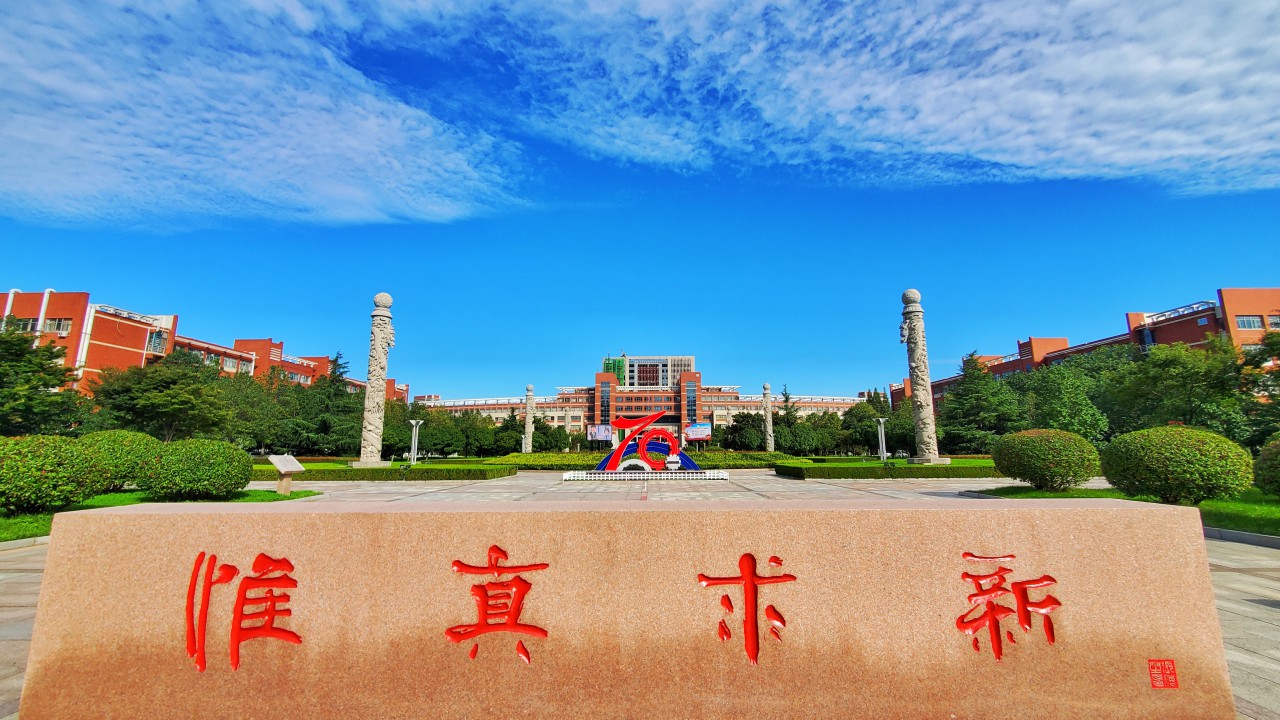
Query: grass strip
{"x": 416, "y": 473}
{"x": 17, "y": 527}
{"x": 895, "y": 470}
{"x": 1253, "y": 511}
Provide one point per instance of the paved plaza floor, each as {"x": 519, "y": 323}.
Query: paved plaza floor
{"x": 1246, "y": 579}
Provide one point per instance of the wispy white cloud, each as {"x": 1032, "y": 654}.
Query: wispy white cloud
{"x": 1187, "y": 94}
{"x": 164, "y": 112}
{"x": 267, "y": 108}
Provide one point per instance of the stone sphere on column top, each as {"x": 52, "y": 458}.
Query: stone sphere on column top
{"x": 911, "y": 296}
{"x": 382, "y": 300}
{"x": 766, "y": 387}
{"x": 528, "y": 388}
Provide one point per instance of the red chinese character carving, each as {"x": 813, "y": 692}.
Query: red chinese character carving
{"x": 215, "y": 574}
{"x": 269, "y": 574}
{"x": 196, "y": 630}
{"x": 750, "y": 583}
{"x": 498, "y": 603}
{"x": 990, "y": 587}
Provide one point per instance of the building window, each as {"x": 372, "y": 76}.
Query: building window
{"x": 25, "y": 325}
{"x": 230, "y": 364}
{"x": 156, "y": 341}
{"x": 211, "y": 359}
{"x": 62, "y": 326}
{"x": 1273, "y": 322}
{"x": 1249, "y": 322}
{"x": 1202, "y": 321}
{"x": 246, "y": 366}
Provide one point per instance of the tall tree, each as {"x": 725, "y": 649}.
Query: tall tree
{"x": 879, "y": 402}
{"x": 789, "y": 415}
{"x": 1057, "y": 397}
{"x": 255, "y": 411}
{"x": 1261, "y": 376}
{"x": 900, "y": 430}
{"x": 1198, "y": 386}
{"x": 548, "y": 438}
{"x": 477, "y": 433}
{"x": 30, "y": 377}
{"x": 860, "y": 421}
{"x": 326, "y": 416}
{"x": 177, "y": 397}
{"x": 746, "y": 432}
{"x": 397, "y": 433}
{"x": 439, "y": 434}
{"x": 977, "y": 410}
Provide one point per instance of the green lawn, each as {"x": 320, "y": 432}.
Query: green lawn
{"x": 1251, "y": 512}
{"x": 16, "y": 527}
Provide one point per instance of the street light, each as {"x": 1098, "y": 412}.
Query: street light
{"x": 884, "y": 454}
{"x": 413, "y": 445}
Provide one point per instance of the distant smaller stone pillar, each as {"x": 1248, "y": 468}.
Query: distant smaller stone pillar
{"x": 766, "y": 406}
{"x": 912, "y": 331}
{"x": 526, "y": 444}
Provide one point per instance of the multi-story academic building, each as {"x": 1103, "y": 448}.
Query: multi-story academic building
{"x": 97, "y": 337}
{"x": 637, "y": 386}
{"x": 1243, "y": 315}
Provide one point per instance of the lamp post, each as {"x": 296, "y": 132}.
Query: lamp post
{"x": 413, "y": 444}
{"x": 884, "y": 453}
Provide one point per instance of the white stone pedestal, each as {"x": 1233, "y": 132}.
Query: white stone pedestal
{"x": 928, "y": 461}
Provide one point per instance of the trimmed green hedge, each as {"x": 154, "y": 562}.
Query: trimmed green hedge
{"x": 1266, "y": 469}
{"x": 264, "y": 460}
{"x": 121, "y": 457}
{"x": 588, "y": 461}
{"x": 39, "y": 473}
{"x": 197, "y": 469}
{"x": 1177, "y": 464}
{"x": 1046, "y": 459}
{"x": 831, "y": 471}
{"x": 419, "y": 472}
{"x": 744, "y": 460}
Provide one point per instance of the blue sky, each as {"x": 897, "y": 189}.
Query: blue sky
{"x": 541, "y": 183}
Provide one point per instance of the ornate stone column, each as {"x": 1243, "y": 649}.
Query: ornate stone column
{"x": 526, "y": 444}
{"x": 912, "y": 330}
{"x": 766, "y": 406}
{"x": 381, "y": 338}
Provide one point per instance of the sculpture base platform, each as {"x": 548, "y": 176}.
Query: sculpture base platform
{"x": 761, "y": 609}
{"x": 928, "y": 461}
{"x": 369, "y": 464}
{"x": 643, "y": 475}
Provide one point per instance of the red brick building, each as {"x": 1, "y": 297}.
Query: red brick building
{"x": 659, "y": 383}
{"x": 1242, "y": 314}
{"x": 95, "y": 336}
{"x": 98, "y": 336}
{"x": 229, "y": 361}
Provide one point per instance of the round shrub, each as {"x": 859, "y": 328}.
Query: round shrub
{"x": 1177, "y": 464}
{"x": 1266, "y": 469}
{"x": 198, "y": 469}
{"x": 39, "y": 473}
{"x": 1046, "y": 459}
{"x": 122, "y": 457}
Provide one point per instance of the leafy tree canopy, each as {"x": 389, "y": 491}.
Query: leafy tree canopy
{"x": 30, "y": 376}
